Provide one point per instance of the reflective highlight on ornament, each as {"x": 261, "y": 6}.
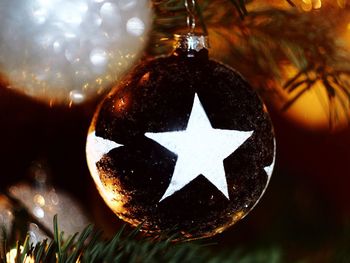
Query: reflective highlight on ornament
{"x": 50, "y": 48}
{"x": 189, "y": 121}
{"x": 135, "y": 26}
{"x": 269, "y": 169}
{"x": 96, "y": 148}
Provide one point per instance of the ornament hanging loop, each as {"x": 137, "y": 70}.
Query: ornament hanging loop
{"x": 190, "y": 43}
{"x": 191, "y": 14}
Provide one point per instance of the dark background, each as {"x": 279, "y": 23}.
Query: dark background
{"x": 305, "y": 209}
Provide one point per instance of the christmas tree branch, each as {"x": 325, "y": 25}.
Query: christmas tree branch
{"x": 89, "y": 247}
{"x": 126, "y": 247}
{"x": 290, "y": 2}
{"x": 268, "y": 38}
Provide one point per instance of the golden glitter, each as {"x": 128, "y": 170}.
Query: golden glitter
{"x": 144, "y": 78}
{"x": 99, "y": 81}
{"x": 121, "y": 103}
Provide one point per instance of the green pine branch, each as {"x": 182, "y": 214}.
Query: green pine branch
{"x": 265, "y": 40}
{"x": 134, "y": 247}
{"x": 127, "y": 247}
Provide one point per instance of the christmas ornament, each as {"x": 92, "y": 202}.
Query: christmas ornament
{"x": 42, "y": 202}
{"x": 62, "y": 50}
{"x": 183, "y": 143}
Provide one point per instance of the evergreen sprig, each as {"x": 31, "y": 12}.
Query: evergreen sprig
{"x": 263, "y": 38}
{"x": 135, "y": 247}
{"x": 131, "y": 247}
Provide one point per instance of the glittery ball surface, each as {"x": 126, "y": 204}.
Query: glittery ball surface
{"x": 144, "y": 175}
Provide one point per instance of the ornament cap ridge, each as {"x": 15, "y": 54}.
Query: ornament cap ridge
{"x": 191, "y": 42}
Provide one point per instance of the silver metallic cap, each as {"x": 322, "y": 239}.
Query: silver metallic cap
{"x": 190, "y": 41}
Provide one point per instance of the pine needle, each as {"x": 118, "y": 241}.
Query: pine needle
{"x": 89, "y": 247}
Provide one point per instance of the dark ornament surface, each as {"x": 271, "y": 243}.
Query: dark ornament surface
{"x": 157, "y": 96}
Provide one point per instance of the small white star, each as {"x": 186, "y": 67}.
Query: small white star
{"x": 269, "y": 169}
{"x": 201, "y": 149}
{"x": 96, "y": 147}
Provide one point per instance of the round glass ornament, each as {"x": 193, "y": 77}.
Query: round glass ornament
{"x": 68, "y": 51}
{"x": 183, "y": 144}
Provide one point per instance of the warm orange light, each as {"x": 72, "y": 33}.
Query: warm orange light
{"x": 121, "y": 103}
{"x": 341, "y": 3}
{"x": 308, "y": 5}
{"x": 312, "y": 109}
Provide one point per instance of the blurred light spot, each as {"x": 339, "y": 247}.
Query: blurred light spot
{"x": 57, "y": 47}
{"x": 110, "y": 13}
{"x": 72, "y": 18}
{"x": 135, "y": 26}
{"x": 144, "y": 78}
{"x": 40, "y": 176}
{"x": 38, "y": 212}
{"x": 97, "y": 20}
{"x": 317, "y": 4}
{"x": 32, "y": 237}
{"x": 70, "y": 13}
{"x": 98, "y": 57}
{"x": 70, "y": 35}
{"x": 121, "y": 103}
{"x": 46, "y": 4}
{"x": 76, "y": 96}
{"x": 126, "y": 4}
{"x": 40, "y": 15}
{"x": 39, "y": 199}
{"x": 308, "y": 5}
{"x": 341, "y": 3}
{"x": 72, "y": 53}
{"x": 54, "y": 198}
{"x": 44, "y": 40}
{"x": 83, "y": 7}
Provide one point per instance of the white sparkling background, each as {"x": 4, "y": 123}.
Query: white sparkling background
{"x": 69, "y": 50}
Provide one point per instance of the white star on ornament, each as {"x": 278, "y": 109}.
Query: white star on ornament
{"x": 96, "y": 147}
{"x": 201, "y": 150}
